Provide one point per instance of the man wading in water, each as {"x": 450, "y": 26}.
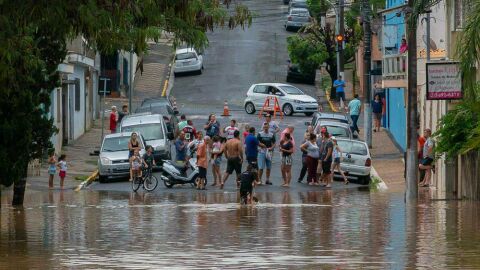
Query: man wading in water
{"x": 233, "y": 151}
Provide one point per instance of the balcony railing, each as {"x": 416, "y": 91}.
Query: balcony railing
{"x": 394, "y": 70}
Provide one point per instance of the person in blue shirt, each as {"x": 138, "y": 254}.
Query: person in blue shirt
{"x": 339, "y": 84}
{"x": 354, "y": 108}
{"x": 377, "y": 109}
{"x": 251, "y": 147}
{"x": 181, "y": 148}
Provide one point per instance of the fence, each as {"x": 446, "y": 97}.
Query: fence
{"x": 469, "y": 176}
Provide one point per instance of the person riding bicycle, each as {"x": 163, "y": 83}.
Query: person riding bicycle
{"x": 247, "y": 182}
{"x": 136, "y": 163}
{"x": 149, "y": 159}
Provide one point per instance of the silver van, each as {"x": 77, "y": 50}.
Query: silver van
{"x": 154, "y": 131}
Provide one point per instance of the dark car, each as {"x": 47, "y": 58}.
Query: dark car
{"x": 164, "y": 109}
{"x": 286, "y": 2}
{"x": 294, "y": 74}
{"x": 157, "y": 100}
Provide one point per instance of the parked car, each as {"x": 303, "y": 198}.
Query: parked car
{"x": 356, "y": 159}
{"x": 188, "y": 60}
{"x": 297, "y": 4}
{"x": 158, "y": 100}
{"x": 340, "y": 117}
{"x": 297, "y": 18}
{"x": 290, "y": 98}
{"x": 169, "y": 115}
{"x": 285, "y": 2}
{"x": 295, "y": 74}
{"x": 154, "y": 131}
{"x": 334, "y": 128}
{"x": 113, "y": 159}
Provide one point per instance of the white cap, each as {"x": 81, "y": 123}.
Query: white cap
{"x": 333, "y": 138}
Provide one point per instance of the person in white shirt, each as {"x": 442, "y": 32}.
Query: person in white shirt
{"x": 230, "y": 130}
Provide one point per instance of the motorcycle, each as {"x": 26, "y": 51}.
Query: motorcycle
{"x": 174, "y": 174}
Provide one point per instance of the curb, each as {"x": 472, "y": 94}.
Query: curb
{"x": 88, "y": 181}
{"x": 332, "y": 106}
{"x": 382, "y": 185}
{"x": 170, "y": 79}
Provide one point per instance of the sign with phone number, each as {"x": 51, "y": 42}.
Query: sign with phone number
{"x": 444, "y": 81}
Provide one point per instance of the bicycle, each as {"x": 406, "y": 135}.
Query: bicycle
{"x": 148, "y": 180}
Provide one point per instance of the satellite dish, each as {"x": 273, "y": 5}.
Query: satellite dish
{"x": 433, "y": 45}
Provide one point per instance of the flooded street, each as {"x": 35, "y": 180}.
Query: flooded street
{"x": 345, "y": 229}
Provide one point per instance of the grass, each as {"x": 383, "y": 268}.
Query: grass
{"x": 81, "y": 177}
{"x": 374, "y": 182}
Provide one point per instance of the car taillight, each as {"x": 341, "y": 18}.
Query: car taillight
{"x": 368, "y": 162}
{"x": 289, "y": 18}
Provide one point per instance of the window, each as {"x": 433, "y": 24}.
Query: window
{"x": 353, "y": 148}
{"x": 290, "y": 90}
{"x": 115, "y": 144}
{"x": 148, "y": 131}
{"x": 187, "y": 55}
{"x": 261, "y": 89}
{"x": 77, "y": 94}
{"x": 460, "y": 12}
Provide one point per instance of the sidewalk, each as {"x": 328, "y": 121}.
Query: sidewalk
{"x": 81, "y": 162}
{"x": 387, "y": 159}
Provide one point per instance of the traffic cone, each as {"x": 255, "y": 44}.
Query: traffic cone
{"x": 226, "y": 111}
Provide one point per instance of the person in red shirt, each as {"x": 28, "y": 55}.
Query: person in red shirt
{"x": 190, "y": 131}
{"x": 202, "y": 162}
{"x": 113, "y": 119}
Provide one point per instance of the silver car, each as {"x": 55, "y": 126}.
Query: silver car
{"x": 334, "y": 128}
{"x": 113, "y": 160}
{"x": 297, "y": 18}
{"x": 188, "y": 60}
{"x": 154, "y": 131}
{"x": 356, "y": 159}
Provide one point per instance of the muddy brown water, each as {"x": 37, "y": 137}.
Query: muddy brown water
{"x": 346, "y": 229}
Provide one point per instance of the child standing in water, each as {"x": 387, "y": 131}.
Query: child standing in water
{"x": 62, "y": 166}
{"x": 52, "y": 167}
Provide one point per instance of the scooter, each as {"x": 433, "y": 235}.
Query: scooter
{"x": 173, "y": 174}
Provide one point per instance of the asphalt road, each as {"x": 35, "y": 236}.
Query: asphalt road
{"x": 234, "y": 60}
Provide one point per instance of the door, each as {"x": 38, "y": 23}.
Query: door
{"x": 274, "y": 92}
{"x": 65, "y": 114}
{"x": 259, "y": 95}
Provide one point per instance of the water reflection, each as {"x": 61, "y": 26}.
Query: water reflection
{"x": 344, "y": 229}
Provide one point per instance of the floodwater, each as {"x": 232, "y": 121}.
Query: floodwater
{"x": 345, "y": 229}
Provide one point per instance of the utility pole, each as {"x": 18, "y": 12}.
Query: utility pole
{"x": 337, "y": 32}
{"x": 341, "y": 31}
{"x": 367, "y": 62}
{"x": 130, "y": 91}
{"x": 412, "y": 159}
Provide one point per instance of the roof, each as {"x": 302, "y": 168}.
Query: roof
{"x": 275, "y": 84}
{"x": 332, "y": 115}
{"x": 141, "y": 118}
{"x": 303, "y": 10}
{"x": 184, "y": 50}
{"x": 331, "y": 123}
{"x": 120, "y": 134}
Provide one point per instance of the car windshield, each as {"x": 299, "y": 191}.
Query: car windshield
{"x": 115, "y": 144}
{"x": 148, "y": 131}
{"x": 183, "y": 56}
{"x": 352, "y": 147}
{"x": 291, "y": 90}
{"x": 300, "y": 5}
{"x": 338, "y": 131}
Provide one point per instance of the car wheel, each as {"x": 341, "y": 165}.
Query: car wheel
{"x": 309, "y": 113}
{"x": 287, "y": 28}
{"x": 250, "y": 108}
{"x": 199, "y": 71}
{"x": 102, "y": 179}
{"x": 364, "y": 180}
{"x": 287, "y": 109}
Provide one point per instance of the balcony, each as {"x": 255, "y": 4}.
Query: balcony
{"x": 394, "y": 71}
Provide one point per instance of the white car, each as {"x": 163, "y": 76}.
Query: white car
{"x": 356, "y": 160}
{"x": 188, "y": 60}
{"x": 297, "y": 18}
{"x": 290, "y": 98}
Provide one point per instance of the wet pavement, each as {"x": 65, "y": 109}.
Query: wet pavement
{"x": 345, "y": 229}
{"x": 348, "y": 227}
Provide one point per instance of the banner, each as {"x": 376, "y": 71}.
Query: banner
{"x": 443, "y": 81}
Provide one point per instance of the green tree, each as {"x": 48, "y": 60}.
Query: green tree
{"x": 33, "y": 42}
{"x": 459, "y": 129}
